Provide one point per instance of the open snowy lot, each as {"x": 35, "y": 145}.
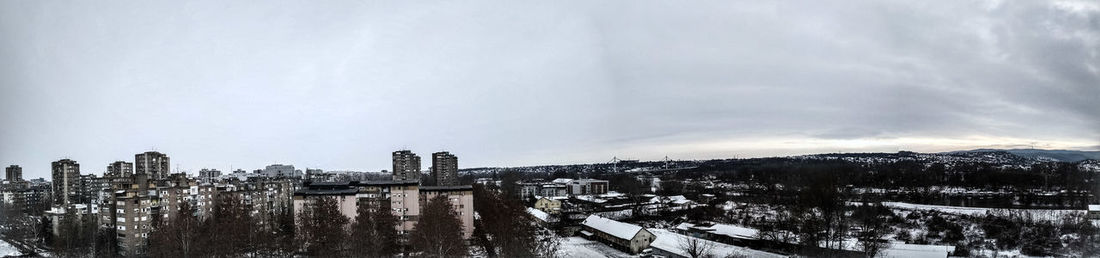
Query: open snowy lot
{"x": 7, "y": 250}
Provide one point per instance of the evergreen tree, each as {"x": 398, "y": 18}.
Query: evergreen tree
{"x": 321, "y": 228}
{"x": 439, "y": 232}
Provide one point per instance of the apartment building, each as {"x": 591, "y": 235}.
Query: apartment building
{"x": 405, "y": 198}
{"x": 445, "y": 168}
{"x": 406, "y": 166}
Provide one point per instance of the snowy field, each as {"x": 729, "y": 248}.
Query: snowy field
{"x": 8, "y": 250}
{"x": 1042, "y": 214}
{"x": 579, "y": 247}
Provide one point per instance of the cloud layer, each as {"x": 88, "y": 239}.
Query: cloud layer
{"x": 340, "y": 84}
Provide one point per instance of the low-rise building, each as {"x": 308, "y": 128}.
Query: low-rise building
{"x": 627, "y": 237}
{"x": 550, "y": 205}
{"x": 1094, "y": 211}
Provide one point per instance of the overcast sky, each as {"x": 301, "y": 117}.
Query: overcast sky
{"x": 339, "y": 85}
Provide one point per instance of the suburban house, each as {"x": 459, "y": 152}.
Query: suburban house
{"x": 550, "y": 205}
{"x": 627, "y": 237}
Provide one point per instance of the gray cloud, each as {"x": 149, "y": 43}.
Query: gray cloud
{"x": 340, "y": 84}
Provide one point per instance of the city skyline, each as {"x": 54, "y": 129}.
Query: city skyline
{"x": 340, "y": 85}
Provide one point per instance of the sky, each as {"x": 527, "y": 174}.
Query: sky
{"x": 339, "y": 85}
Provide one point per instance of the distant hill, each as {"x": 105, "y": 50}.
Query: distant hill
{"x": 1055, "y": 155}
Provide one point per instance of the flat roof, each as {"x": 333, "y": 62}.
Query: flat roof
{"x": 326, "y": 192}
{"x": 447, "y": 188}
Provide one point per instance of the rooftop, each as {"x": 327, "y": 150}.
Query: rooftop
{"x": 326, "y": 192}
{"x": 447, "y": 188}
{"x": 612, "y": 227}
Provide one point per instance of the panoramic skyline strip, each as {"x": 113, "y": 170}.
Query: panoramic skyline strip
{"x": 340, "y": 85}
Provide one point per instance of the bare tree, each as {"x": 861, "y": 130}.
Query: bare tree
{"x": 179, "y": 237}
{"x": 872, "y": 227}
{"x": 548, "y": 244}
{"x": 694, "y": 247}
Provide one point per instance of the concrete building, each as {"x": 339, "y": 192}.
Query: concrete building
{"x": 209, "y": 175}
{"x": 406, "y": 166}
{"x": 529, "y": 189}
{"x": 27, "y": 195}
{"x": 554, "y": 190}
{"x": 66, "y": 180}
{"x": 405, "y": 198}
{"x": 119, "y": 169}
{"x": 135, "y": 206}
{"x": 154, "y": 164}
{"x": 587, "y": 187}
{"x": 445, "y": 168}
{"x": 402, "y": 195}
{"x": 310, "y": 172}
{"x": 91, "y": 189}
{"x": 462, "y": 201}
{"x": 629, "y": 238}
{"x": 137, "y": 202}
{"x": 13, "y": 173}
{"x": 280, "y": 170}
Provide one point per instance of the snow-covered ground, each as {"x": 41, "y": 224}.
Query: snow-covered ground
{"x": 7, "y": 250}
{"x": 907, "y": 250}
{"x": 1042, "y": 214}
{"x": 670, "y": 242}
{"x": 584, "y": 248}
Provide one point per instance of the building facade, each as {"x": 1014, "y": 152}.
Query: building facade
{"x": 406, "y": 166}
{"x": 587, "y": 187}
{"x": 91, "y": 189}
{"x": 445, "y": 168}
{"x": 154, "y": 164}
{"x": 280, "y": 170}
{"x": 13, "y": 173}
{"x": 462, "y": 202}
{"x": 66, "y": 180}
{"x": 624, "y": 236}
{"x": 405, "y": 199}
{"x": 119, "y": 169}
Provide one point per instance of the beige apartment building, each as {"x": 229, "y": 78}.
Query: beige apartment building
{"x": 405, "y": 197}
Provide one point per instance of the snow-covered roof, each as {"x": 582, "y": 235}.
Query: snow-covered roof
{"x": 678, "y": 199}
{"x": 589, "y": 198}
{"x": 562, "y": 180}
{"x": 1094, "y": 207}
{"x": 538, "y": 214}
{"x": 612, "y": 227}
{"x": 670, "y": 242}
{"x": 722, "y": 229}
